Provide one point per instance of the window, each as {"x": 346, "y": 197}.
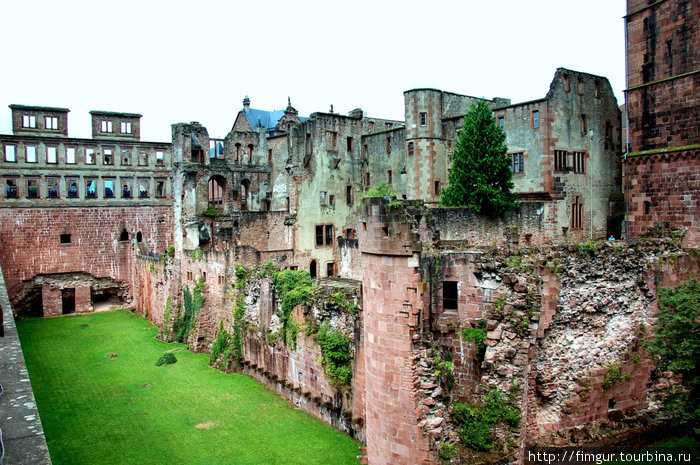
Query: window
{"x": 580, "y": 86}
{"x": 143, "y": 158}
{"x": 579, "y": 162}
{"x": 577, "y": 214}
{"x": 64, "y": 238}
{"x": 160, "y": 159}
{"x": 269, "y": 155}
{"x": 584, "y": 124}
{"x": 216, "y": 192}
{"x": 52, "y": 187}
{"x": 388, "y": 125}
{"x": 250, "y": 153}
{"x": 221, "y": 280}
{"x": 126, "y": 157}
{"x": 367, "y": 179}
{"x": 72, "y": 188}
{"x": 348, "y": 195}
{"x": 70, "y": 155}
{"x": 410, "y": 148}
{"x": 189, "y": 276}
{"x": 28, "y": 121}
{"x": 423, "y": 119}
{"x": 388, "y": 177}
{"x": 126, "y": 190}
{"x": 89, "y": 156}
{"x": 331, "y": 200}
{"x": 323, "y": 198}
{"x": 608, "y": 130}
{"x": 107, "y": 159}
{"x": 125, "y": 128}
{"x": 90, "y": 188}
{"x": 332, "y": 140}
{"x": 597, "y": 89}
{"x": 330, "y": 269}
{"x": 501, "y": 122}
{"x": 32, "y": 189}
{"x": 647, "y": 207}
{"x": 30, "y": 154}
{"x": 349, "y": 144}
{"x": 51, "y": 122}
{"x": 109, "y": 189}
{"x": 364, "y": 152}
{"x": 324, "y": 235}
{"x": 567, "y": 83}
{"x": 10, "y": 188}
{"x": 349, "y": 233}
{"x": 450, "y": 295}
{"x": 51, "y": 155}
{"x": 388, "y": 144}
{"x": 437, "y": 187}
{"x": 560, "y": 160}
{"x": 106, "y": 126}
{"x": 371, "y": 126}
{"x": 535, "y": 119}
{"x": 143, "y": 188}
{"x": 518, "y": 162}
{"x": 124, "y": 235}
{"x": 10, "y": 153}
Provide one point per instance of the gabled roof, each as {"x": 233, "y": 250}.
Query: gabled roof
{"x": 268, "y": 119}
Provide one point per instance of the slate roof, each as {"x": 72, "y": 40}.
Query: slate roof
{"x": 268, "y": 119}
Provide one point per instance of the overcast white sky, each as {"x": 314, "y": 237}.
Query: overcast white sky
{"x": 175, "y": 61}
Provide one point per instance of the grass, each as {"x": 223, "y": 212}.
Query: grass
{"x": 124, "y": 410}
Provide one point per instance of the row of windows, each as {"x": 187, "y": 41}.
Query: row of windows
{"x": 53, "y": 188}
{"x": 29, "y": 121}
{"x": 578, "y": 162}
{"x": 107, "y": 127}
{"x": 31, "y": 155}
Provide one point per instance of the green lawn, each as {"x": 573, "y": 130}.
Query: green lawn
{"x": 125, "y": 410}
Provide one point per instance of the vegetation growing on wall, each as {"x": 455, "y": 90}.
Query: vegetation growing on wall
{"x": 196, "y": 254}
{"x": 210, "y": 211}
{"x": 382, "y": 190}
{"x": 475, "y": 421}
{"x": 294, "y": 287}
{"x": 193, "y": 302}
{"x": 222, "y": 345}
{"x": 676, "y": 346}
{"x": 165, "y": 331}
{"x": 341, "y": 301}
{"x": 335, "y": 355}
{"x": 239, "y": 312}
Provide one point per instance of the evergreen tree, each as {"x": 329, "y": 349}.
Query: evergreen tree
{"x": 481, "y": 176}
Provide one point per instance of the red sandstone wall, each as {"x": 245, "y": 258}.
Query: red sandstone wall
{"x": 30, "y": 239}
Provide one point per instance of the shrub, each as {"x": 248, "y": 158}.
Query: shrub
{"x": 474, "y": 422}
{"x": 335, "y": 351}
{"x": 166, "y": 359}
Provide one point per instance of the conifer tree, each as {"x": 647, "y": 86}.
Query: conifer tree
{"x": 481, "y": 176}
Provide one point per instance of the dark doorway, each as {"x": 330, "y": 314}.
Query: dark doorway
{"x": 106, "y": 299}
{"x": 312, "y": 269}
{"x": 68, "y": 300}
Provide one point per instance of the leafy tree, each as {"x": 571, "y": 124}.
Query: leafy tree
{"x": 481, "y": 176}
{"x": 676, "y": 343}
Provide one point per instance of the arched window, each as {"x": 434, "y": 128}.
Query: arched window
{"x": 250, "y": 153}
{"x": 216, "y": 191}
{"x": 237, "y": 161}
{"x": 124, "y": 236}
{"x": 245, "y": 188}
{"x": 139, "y": 237}
{"x": 312, "y": 269}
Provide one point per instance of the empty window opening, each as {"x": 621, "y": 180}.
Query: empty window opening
{"x": 52, "y": 186}
{"x": 349, "y": 233}
{"x": 385, "y": 231}
{"x": 160, "y": 157}
{"x": 518, "y": 162}
{"x": 580, "y": 86}
{"x": 250, "y": 153}
{"x": 388, "y": 177}
{"x": 221, "y": 280}
{"x": 126, "y": 191}
{"x": 108, "y": 157}
{"x": 30, "y": 154}
{"x": 437, "y": 187}
{"x": 535, "y": 119}
{"x": 367, "y": 179}
{"x": 329, "y": 234}
{"x": 348, "y": 195}
{"x": 68, "y": 301}
{"x": 72, "y": 189}
{"x": 109, "y": 189}
{"x": 265, "y": 206}
{"x": 204, "y": 275}
{"x": 50, "y": 122}
{"x": 89, "y": 156}
{"x": 388, "y": 144}
{"x": 125, "y": 128}
{"x": 647, "y": 207}
{"x": 126, "y": 157}
{"x": 106, "y": 126}
{"x": 11, "y": 188}
{"x": 245, "y": 188}
{"x": 91, "y": 188}
{"x": 349, "y": 144}
{"x": 143, "y": 158}
{"x": 330, "y": 269}
{"x": 584, "y": 124}
{"x": 423, "y": 119}
{"x": 70, "y": 155}
{"x": 269, "y": 155}
{"x": 410, "y": 148}
{"x": 567, "y": 83}
{"x": 160, "y": 188}
{"x": 143, "y": 188}
{"x": 287, "y": 204}
{"x": 577, "y": 214}
{"x": 364, "y": 152}
{"x": 560, "y": 160}
{"x": 10, "y": 153}
{"x": 216, "y": 191}
{"x": 139, "y": 237}
{"x": 64, "y": 239}
{"x": 332, "y": 140}
{"x": 597, "y": 89}
{"x": 124, "y": 235}
{"x": 611, "y": 403}
{"x": 579, "y": 162}
{"x": 608, "y": 130}
{"x": 32, "y": 188}
{"x": 52, "y": 155}
{"x": 331, "y": 200}
{"x": 312, "y": 269}
{"x": 28, "y": 121}
{"x": 450, "y": 295}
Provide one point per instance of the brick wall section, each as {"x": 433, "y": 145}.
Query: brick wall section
{"x": 51, "y": 300}
{"x": 31, "y": 240}
{"x": 670, "y": 183}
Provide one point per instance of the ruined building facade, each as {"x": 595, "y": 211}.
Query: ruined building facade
{"x": 663, "y": 77}
{"x": 86, "y": 221}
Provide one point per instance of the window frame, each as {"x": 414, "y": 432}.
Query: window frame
{"x": 34, "y": 154}
{"x": 14, "y": 153}
{"x": 54, "y": 150}
{"x": 51, "y": 123}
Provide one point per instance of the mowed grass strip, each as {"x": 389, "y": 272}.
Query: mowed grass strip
{"x": 124, "y": 410}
